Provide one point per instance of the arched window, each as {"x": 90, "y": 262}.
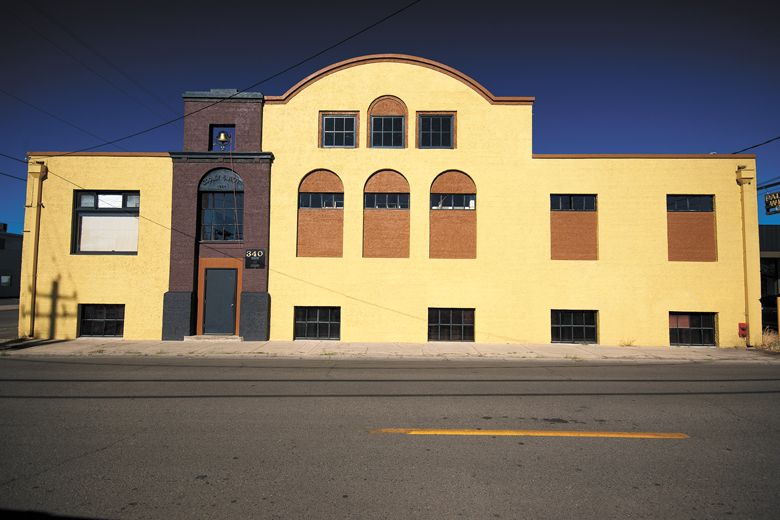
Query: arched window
{"x": 386, "y": 216}
{"x": 320, "y": 215}
{"x": 221, "y": 194}
{"x": 387, "y": 123}
{"x": 453, "y": 232}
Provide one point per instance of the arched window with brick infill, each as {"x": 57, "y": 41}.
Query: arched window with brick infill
{"x": 386, "y": 216}
{"x": 453, "y": 219}
{"x": 320, "y": 215}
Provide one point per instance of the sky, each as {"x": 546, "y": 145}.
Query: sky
{"x": 608, "y": 77}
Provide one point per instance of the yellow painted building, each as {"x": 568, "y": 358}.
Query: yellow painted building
{"x": 64, "y": 279}
{"x": 407, "y": 205}
{"x": 512, "y": 284}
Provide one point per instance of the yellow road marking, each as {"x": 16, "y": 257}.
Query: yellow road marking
{"x": 533, "y": 433}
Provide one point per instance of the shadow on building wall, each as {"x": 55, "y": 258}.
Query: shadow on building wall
{"x": 58, "y": 305}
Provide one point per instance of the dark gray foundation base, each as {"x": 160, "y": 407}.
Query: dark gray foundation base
{"x": 255, "y": 309}
{"x": 177, "y": 315}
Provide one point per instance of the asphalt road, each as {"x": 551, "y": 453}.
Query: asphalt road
{"x": 209, "y": 438}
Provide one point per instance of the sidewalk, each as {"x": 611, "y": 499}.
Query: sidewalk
{"x": 372, "y": 351}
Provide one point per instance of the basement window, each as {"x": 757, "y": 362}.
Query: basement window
{"x": 692, "y": 328}
{"x": 570, "y": 326}
{"x": 318, "y": 323}
{"x": 101, "y": 320}
{"x": 445, "y": 324}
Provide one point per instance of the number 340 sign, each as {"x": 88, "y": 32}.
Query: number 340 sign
{"x": 254, "y": 259}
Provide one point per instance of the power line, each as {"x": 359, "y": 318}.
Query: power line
{"x": 767, "y": 186}
{"x": 13, "y": 176}
{"x": 58, "y": 118}
{"x": 54, "y": 21}
{"x": 12, "y": 158}
{"x": 767, "y": 182}
{"x": 86, "y": 66}
{"x": 269, "y": 78}
{"x": 757, "y": 145}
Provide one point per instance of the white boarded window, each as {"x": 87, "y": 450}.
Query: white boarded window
{"x": 109, "y": 233}
{"x": 106, "y": 222}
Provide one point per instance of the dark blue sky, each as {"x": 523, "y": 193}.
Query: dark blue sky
{"x": 609, "y": 77}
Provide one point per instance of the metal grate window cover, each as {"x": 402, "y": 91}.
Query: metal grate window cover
{"x": 101, "y": 320}
{"x": 317, "y": 323}
{"x": 573, "y": 326}
{"x": 450, "y": 324}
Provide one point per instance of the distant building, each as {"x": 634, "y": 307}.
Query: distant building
{"x": 10, "y": 262}
{"x": 769, "y": 238}
{"x": 389, "y": 198}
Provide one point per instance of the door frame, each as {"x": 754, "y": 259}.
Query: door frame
{"x": 218, "y": 263}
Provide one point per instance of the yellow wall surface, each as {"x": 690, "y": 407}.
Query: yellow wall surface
{"x": 66, "y": 280}
{"x": 513, "y": 284}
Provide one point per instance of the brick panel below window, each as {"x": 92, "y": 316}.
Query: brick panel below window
{"x": 453, "y": 234}
{"x": 692, "y": 236}
{"x": 320, "y": 232}
{"x": 574, "y": 235}
{"x": 385, "y": 233}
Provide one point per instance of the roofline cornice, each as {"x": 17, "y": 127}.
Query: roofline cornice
{"x": 642, "y": 156}
{"x": 398, "y": 58}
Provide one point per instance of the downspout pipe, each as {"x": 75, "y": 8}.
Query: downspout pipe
{"x": 40, "y": 176}
{"x": 745, "y": 179}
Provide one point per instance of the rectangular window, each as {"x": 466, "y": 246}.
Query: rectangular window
{"x": 570, "y": 326}
{"x": 101, "y": 320}
{"x": 692, "y": 328}
{"x": 106, "y": 222}
{"x": 5, "y": 280}
{"x": 386, "y": 201}
{"x": 318, "y": 323}
{"x": 321, "y": 200}
{"x": 436, "y": 131}
{"x": 387, "y": 131}
{"x": 338, "y": 130}
{"x": 572, "y": 203}
{"x": 689, "y": 202}
{"x": 453, "y": 201}
{"x": 223, "y": 138}
{"x": 450, "y": 324}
